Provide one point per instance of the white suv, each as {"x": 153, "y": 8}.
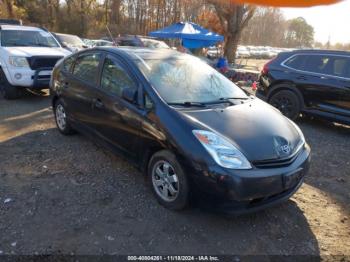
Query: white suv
{"x": 27, "y": 57}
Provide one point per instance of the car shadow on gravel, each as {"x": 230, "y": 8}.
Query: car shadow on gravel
{"x": 17, "y": 116}
{"x": 330, "y": 158}
{"x": 69, "y": 195}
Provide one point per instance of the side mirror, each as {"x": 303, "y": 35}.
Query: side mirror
{"x": 130, "y": 95}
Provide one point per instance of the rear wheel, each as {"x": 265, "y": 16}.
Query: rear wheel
{"x": 168, "y": 181}
{"x": 7, "y": 90}
{"x": 62, "y": 121}
{"x": 287, "y": 102}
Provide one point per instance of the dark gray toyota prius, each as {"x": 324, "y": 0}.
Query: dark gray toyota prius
{"x": 187, "y": 127}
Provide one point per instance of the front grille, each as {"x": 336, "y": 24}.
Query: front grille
{"x": 275, "y": 162}
{"x": 38, "y": 62}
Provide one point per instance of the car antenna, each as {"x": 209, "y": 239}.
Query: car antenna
{"x": 110, "y": 35}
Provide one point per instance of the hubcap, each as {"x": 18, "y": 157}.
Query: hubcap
{"x": 165, "y": 181}
{"x": 60, "y": 117}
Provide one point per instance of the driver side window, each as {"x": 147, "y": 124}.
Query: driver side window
{"x": 114, "y": 78}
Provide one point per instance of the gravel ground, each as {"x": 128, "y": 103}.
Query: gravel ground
{"x": 67, "y": 195}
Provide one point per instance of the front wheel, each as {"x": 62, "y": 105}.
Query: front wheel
{"x": 168, "y": 181}
{"x": 287, "y": 102}
{"x": 7, "y": 90}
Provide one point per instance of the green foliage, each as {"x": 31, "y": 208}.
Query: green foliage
{"x": 299, "y": 33}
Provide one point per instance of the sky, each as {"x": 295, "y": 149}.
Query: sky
{"x": 332, "y": 21}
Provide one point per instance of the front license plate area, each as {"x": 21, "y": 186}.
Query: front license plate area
{"x": 292, "y": 179}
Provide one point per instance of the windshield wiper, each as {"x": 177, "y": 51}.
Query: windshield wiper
{"x": 188, "y": 104}
{"x": 233, "y": 98}
{"x": 225, "y": 100}
{"x": 39, "y": 44}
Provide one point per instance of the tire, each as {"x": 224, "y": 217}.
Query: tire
{"x": 61, "y": 120}
{"x": 287, "y": 102}
{"x": 164, "y": 183}
{"x": 7, "y": 90}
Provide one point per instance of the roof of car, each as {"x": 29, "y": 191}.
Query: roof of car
{"x": 144, "y": 53}
{"x": 321, "y": 51}
{"x": 21, "y": 28}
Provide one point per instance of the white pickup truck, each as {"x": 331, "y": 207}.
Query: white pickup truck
{"x": 27, "y": 57}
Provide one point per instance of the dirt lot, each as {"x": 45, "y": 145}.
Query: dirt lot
{"x": 63, "y": 195}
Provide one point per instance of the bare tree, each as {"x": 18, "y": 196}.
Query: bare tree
{"x": 233, "y": 18}
{"x": 9, "y": 8}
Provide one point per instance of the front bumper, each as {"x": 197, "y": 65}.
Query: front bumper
{"x": 42, "y": 80}
{"x": 34, "y": 79}
{"x": 245, "y": 191}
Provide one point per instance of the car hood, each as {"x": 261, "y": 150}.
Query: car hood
{"x": 27, "y": 51}
{"x": 257, "y": 129}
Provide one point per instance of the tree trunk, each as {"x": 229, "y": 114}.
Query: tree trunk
{"x": 233, "y": 18}
{"x": 9, "y": 7}
{"x": 115, "y": 12}
{"x": 83, "y": 17}
{"x": 106, "y": 4}
{"x": 231, "y": 44}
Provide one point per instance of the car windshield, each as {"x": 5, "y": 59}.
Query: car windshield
{"x": 11, "y": 38}
{"x": 187, "y": 79}
{"x": 70, "y": 40}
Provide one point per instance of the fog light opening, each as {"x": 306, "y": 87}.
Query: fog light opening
{"x": 18, "y": 76}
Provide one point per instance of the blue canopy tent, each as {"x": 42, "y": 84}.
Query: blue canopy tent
{"x": 192, "y": 35}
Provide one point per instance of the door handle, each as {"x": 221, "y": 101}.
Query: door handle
{"x": 97, "y": 103}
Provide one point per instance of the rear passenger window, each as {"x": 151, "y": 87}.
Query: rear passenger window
{"x": 316, "y": 64}
{"x": 114, "y": 78}
{"x": 86, "y": 67}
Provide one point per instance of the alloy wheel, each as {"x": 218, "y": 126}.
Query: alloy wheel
{"x": 165, "y": 181}
{"x": 284, "y": 104}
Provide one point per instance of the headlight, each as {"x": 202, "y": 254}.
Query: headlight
{"x": 224, "y": 153}
{"x": 302, "y": 138}
{"x": 18, "y": 61}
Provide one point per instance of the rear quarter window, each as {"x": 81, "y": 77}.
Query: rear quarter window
{"x": 295, "y": 62}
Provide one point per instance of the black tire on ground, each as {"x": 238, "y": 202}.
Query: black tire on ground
{"x": 287, "y": 102}
{"x": 61, "y": 119}
{"x": 7, "y": 90}
{"x": 182, "y": 198}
